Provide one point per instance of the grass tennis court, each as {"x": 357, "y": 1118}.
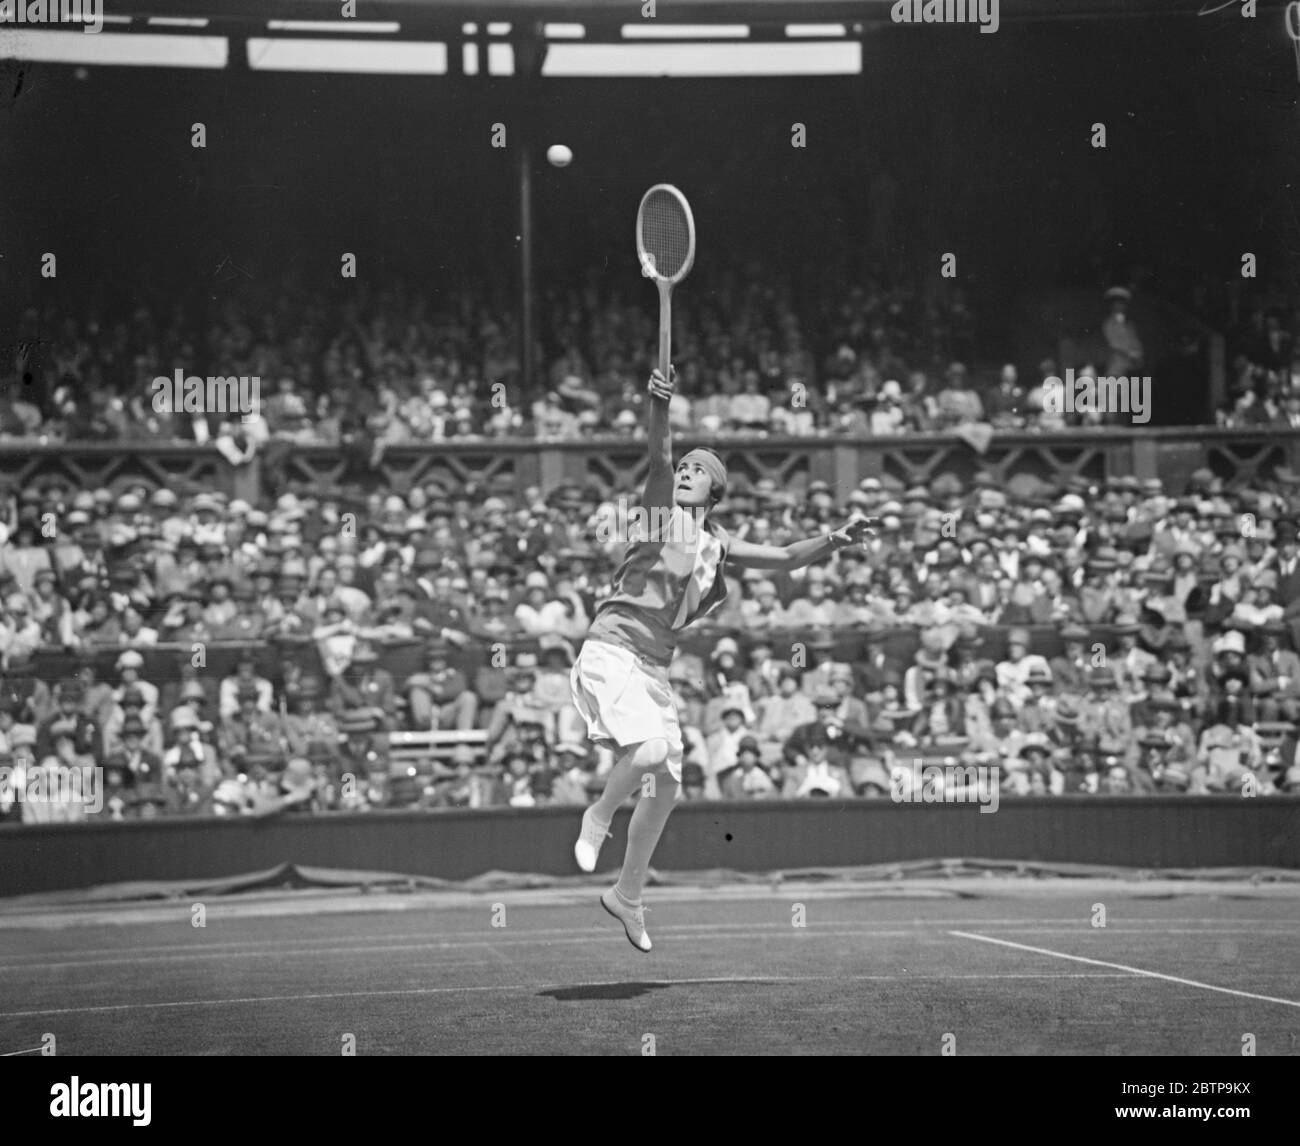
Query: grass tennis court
{"x": 1005, "y": 966}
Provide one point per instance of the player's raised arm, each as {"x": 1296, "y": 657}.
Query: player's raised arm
{"x": 800, "y": 553}
{"x": 659, "y": 442}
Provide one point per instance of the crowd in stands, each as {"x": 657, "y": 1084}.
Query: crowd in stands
{"x": 375, "y": 369}
{"x": 1264, "y": 371}
{"x": 1174, "y": 613}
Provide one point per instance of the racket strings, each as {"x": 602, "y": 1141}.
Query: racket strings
{"x": 665, "y": 233}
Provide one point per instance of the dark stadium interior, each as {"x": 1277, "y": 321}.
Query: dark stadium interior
{"x": 989, "y": 148}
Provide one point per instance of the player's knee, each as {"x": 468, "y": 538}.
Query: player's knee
{"x": 653, "y": 753}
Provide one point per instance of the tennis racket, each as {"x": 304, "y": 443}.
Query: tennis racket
{"x": 665, "y": 247}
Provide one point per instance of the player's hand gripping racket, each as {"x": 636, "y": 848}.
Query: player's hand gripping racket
{"x": 665, "y": 246}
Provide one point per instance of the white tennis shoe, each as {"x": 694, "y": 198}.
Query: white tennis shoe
{"x": 587, "y": 850}
{"x": 630, "y": 915}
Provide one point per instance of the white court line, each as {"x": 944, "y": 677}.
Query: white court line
{"x": 537, "y": 988}
{"x": 271, "y": 942}
{"x": 1125, "y": 967}
{"x": 557, "y": 937}
{"x": 519, "y": 939}
{"x": 274, "y": 944}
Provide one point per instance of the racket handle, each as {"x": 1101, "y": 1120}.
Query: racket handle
{"x": 665, "y": 328}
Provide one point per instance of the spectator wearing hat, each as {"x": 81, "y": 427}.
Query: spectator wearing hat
{"x": 746, "y": 779}
{"x": 540, "y": 611}
{"x": 1038, "y": 712}
{"x": 1004, "y": 404}
{"x": 1275, "y": 675}
{"x": 1162, "y": 719}
{"x": 822, "y": 668}
{"x": 1105, "y": 716}
{"x": 1029, "y": 771}
{"x": 525, "y": 703}
{"x": 723, "y": 744}
{"x": 336, "y": 639}
{"x": 244, "y": 677}
{"x": 220, "y": 608}
{"x": 1013, "y": 672}
{"x": 250, "y": 732}
{"x": 576, "y": 782}
{"x": 888, "y": 414}
{"x": 62, "y": 802}
{"x": 191, "y": 776}
{"x": 1228, "y": 653}
{"x": 183, "y": 621}
{"x": 1256, "y": 607}
{"x": 1124, "y": 354}
{"x": 142, "y": 765}
{"x": 527, "y": 736}
{"x": 364, "y": 686}
{"x": 958, "y": 404}
{"x": 20, "y": 632}
{"x": 87, "y": 731}
{"x": 487, "y": 787}
{"x": 129, "y": 666}
{"x": 1097, "y": 594}
{"x": 363, "y": 754}
{"x": 763, "y": 611}
{"x": 180, "y": 689}
{"x": 842, "y": 738}
{"x": 1070, "y": 670}
{"x": 943, "y": 711}
{"x": 1186, "y": 680}
{"x": 815, "y": 610}
{"x": 930, "y": 659}
{"x": 723, "y": 670}
{"x": 1228, "y": 749}
{"x": 780, "y": 715}
{"x": 178, "y": 572}
{"x": 764, "y": 672}
{"x": 1130, "y": 660}
{"x": 348, "y": 590}
{"x": 1229, "y": 589}
{"x": 818, "y": 766}
{"x": 855, "y": 610}
{"x": 309, "y": 730}
{"x": 50, "y": 609}
{"x": 440, "y": 697}
{"x": 24, "y": 558}
{"x": 14, "y": 731}
{"x": 491, "y": 621}
{"x": 132, "y": 707}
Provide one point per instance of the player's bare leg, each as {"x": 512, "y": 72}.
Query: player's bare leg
{"x": 633, "y": 762}
{"x": 623, "y": 900}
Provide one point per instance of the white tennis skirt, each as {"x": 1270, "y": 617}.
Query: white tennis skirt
{"x": 626, "y": 700}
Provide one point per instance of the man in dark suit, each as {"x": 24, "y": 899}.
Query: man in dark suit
{"x": 1288, "y": 576}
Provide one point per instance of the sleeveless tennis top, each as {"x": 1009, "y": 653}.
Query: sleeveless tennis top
{"x": 669, "y": 578}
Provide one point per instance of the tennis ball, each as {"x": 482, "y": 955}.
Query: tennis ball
{"x": 558, "y": 155}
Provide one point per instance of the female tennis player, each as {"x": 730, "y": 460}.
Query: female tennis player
{"x": 672, "y": 574}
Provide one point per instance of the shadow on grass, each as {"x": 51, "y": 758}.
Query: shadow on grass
{"x": 602, "y": 991}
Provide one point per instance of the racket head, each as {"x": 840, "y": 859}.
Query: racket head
{"x": 665, "y": 234}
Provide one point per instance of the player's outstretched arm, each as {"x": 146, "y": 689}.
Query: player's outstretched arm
{"x": 800, "y": 553}
{"x": 659, "y": 443}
